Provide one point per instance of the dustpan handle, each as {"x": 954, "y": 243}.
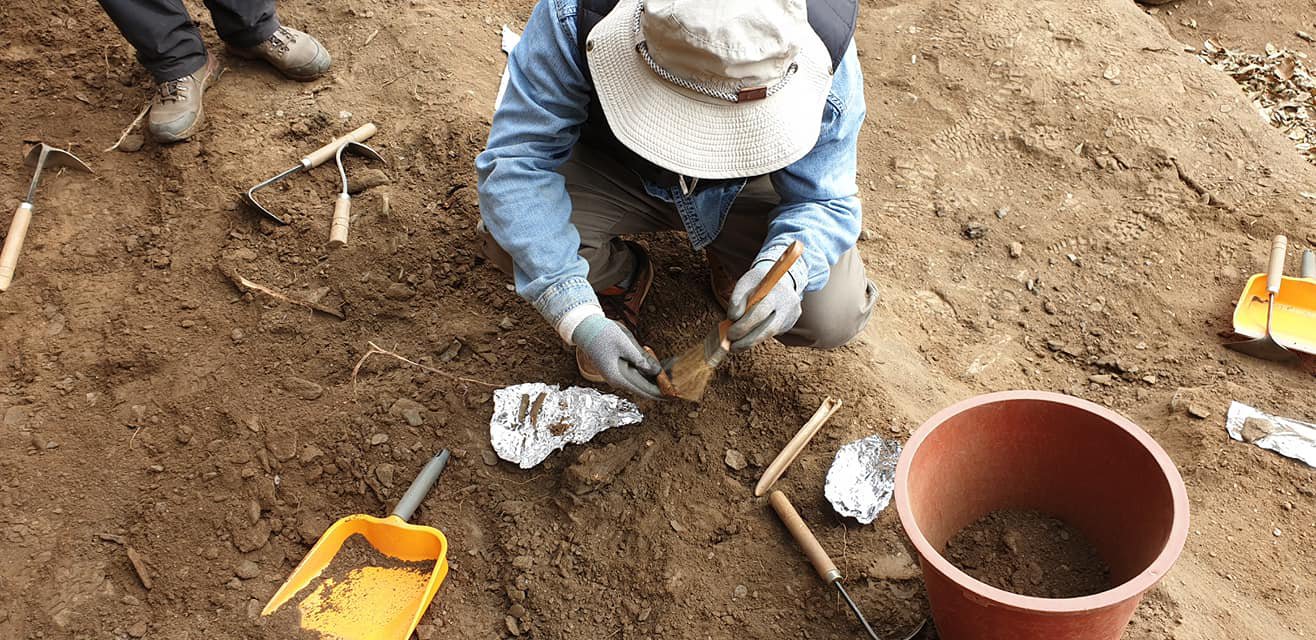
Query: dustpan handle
{"x": 1275, "y": 268}
{"x": 421, "y": 486}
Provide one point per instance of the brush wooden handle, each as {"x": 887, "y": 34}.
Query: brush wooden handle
{"x": 779, "y": 269}
{"x": 1275, "y": 269}
{"x": 14, "y": 244}
{"x": 319, "y": 156}
{"x": 342, "y": 216}
{"x": 821, "y": 562}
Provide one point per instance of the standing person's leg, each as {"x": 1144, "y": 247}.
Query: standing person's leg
{"x": 831, "y": 316}
{"x": 170, "y": 47}
{"x": 252, "y": 29}
{"x": 167, "y": 41}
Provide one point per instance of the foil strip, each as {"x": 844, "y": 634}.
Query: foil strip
{"x": 863, "y": 478}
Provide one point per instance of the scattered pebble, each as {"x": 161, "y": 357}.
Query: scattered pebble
{"x": 1002, "y": 212}
{"x": 741, "y": 591}
{"x": 138, "y": 630}
{"x": 1277, "y": 533}
{"x": 408, "y": 410}
{"x": 385, "y": 474}
{"x": 490, "y": 458}
{"x": 247, "y": 570}
{"x": 973, "y": 230}
{"x": 506, "y": 324}
{"x": 1016, "y": 249}
{"x": 302, "y": 388}
{"x": 1198, "y": 411}
{"x": 736, "y": 460}
{"x": 132, "y": 143}
{"x": 378, "y": 439}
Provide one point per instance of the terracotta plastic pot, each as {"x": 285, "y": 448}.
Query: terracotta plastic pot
{"x": 1083, "y": 463}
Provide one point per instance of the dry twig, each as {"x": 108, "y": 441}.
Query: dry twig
{"x": 246, "y": 285}
{"x": 369, "y": 38}
{"x": 136, "y": 121}
{"x": 378, "y": 350}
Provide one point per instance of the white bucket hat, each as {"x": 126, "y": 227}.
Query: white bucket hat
{"x": 724, "y": 89}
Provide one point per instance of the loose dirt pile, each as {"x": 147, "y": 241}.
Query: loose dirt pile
{"x": 1029, "y": 553}
{"x": 343, "y": 581}
{"x": 219, "y": 432}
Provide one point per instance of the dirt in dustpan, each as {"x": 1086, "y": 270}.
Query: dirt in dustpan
{"x": 354, "y": 558}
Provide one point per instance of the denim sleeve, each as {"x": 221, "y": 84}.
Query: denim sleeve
{"x": 819, "y": 193}
{"x": 523, "y": 200}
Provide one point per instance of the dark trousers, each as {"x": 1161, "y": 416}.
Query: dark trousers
{"x": 167, "y": 41}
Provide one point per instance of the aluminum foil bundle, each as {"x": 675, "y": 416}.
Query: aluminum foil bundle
{"x": 531, "y": 421}
{"x": 1284, "y": 436}
{"x": 863, "y": 478}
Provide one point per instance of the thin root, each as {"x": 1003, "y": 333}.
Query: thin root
{"x": 378, "y": 350}
{"x": 136, "y": 121}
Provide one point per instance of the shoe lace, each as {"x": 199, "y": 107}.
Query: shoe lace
{"x": 173, "y": 90}
{"x": 281, "y": 39}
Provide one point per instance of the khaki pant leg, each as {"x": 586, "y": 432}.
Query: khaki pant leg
{"x": 607, "y": 201}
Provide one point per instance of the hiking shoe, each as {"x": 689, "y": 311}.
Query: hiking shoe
{"x": 176, "y": 109}
{"x": 622, "y": 305}
{"x": 721, "y": 282}
{"x": 295, "y": 54}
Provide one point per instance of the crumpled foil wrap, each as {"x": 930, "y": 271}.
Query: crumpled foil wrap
{"x": 863, "y": 478}
{"x": 1284, "y": 436}
{"x": 531, "y": 421}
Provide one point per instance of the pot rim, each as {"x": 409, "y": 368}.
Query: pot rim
{"x": 1127, "y": 590}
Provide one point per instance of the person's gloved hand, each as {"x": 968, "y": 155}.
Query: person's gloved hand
{"x": 774, "y": 315}
{"x": 618, "y": 356}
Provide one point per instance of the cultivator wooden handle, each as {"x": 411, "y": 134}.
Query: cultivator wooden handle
{"x": 822, "y": 563}
{"x": 1275, "y": 268}
{"x": 14, "y": 244}
{"x": 323, "y": 154}
{"x": 342, "y": 216}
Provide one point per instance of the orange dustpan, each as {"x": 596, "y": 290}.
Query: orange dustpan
{"x": 1293, "y": 325}
{"x": 372, "y": 602}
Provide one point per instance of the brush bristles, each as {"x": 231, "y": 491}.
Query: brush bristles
{"x": 691, "y": 371}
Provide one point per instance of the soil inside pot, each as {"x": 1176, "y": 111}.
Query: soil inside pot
{"x": 1029, "y": 553}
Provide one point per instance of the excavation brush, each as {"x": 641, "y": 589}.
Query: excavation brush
{"x": 310, "y": 161}
{"x": 40, "y": 158}
{"x": 686, "y": 376}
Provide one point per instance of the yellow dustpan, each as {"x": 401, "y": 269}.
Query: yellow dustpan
{"x": 1294, "y": 323}
{"x": 372, "y": 602}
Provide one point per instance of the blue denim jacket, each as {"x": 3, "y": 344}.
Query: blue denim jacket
{"x": 524, "y": 201}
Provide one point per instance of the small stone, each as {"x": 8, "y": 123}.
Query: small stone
{"x": 253, "y": 538}
{"x": 741, "y": 591}
{"x": 365, "y": 179}
{"x": 866, "y": 235}
{"x": 310, "y": 453}
{"x": 1102, "y": 379}
{"x": 506, "y": 324}
{"x": 736, "y": 460}
{"x": 184, "y": 434}
{"x": 253, "y": 608}
{"x": 187, "y": 324}
{"x": 281, "y": 443}
{"x": 237, "y": 335}
{"x": 138, "y": 630}
{"x": 490, "y": 458}
{"x": 973, "y": 230}
{"x": 132, "y": 143}
{"x": 408, "y": 410}
{"x": 1055, "y": 345}
{"x": 399, "y": 291}
{"x": 1149, "y": 379}
{"x": 523, "y": 562}
{"x": 1016, "y": 249}
{"x": 1050, "y": 308}
{"x": 1287, "y": 506}
{"x": 1198, "y": 411}
{"x": 16, "y": 415}
{"x": 247, "y": 570}
{"x": 512, "y": 627}
{"x": 427, "y": 632}
{"x": 157, "y": 468}
{"x": 1277, "y": 533}
{"x": 385, "y": 474}
{"x": 1002, "y": 212}
{"x": 378, "y": 439}
{"x": 302, "y": 388}
{"x": 516, "y": 611}
{"x": 678, "y": 527}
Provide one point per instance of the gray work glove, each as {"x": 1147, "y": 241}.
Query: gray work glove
{"x": 774, "y": 315}
{"x": 618, "y": 356}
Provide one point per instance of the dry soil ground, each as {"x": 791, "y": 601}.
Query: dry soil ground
{"x": 147, "y": 402}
